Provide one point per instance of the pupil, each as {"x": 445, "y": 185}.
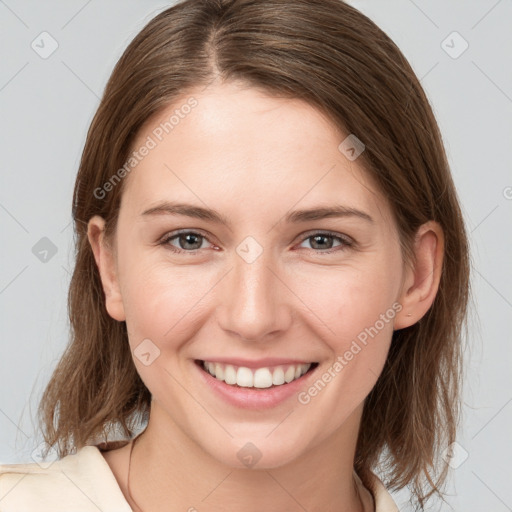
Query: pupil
{"x": 321, "y": 246}
{"x": 185, "y": 239}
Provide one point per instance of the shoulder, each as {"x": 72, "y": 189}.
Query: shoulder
{"x": 383, "y": 500}
{"x": 82, "y": 479}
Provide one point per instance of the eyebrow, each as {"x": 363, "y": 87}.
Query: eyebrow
{"x": 294, "y": 217}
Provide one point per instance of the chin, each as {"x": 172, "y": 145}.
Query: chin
{"x": 257, "y": 452}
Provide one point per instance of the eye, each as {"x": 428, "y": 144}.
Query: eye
{"x": 323, "y": 242}
{"x": 192, "y": 241}
{"x": 184, "y": 241}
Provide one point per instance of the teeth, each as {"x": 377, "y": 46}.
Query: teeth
{"x": 229, "y": 375}
{"x": 219, "y": 371}
{"x": 244, "y": 377}
{"x": 262, "y": 378}
{"x": 259, "y": 378}
{"x": 278, "y": 376}
{"x": 289, "y": 374}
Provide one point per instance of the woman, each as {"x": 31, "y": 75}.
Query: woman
{"x": 271, "y": 274}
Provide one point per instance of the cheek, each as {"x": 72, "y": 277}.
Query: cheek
{"x": 163, "y": 302}
{"x": 164, "y": 307}
{"x": 357, "y": 309}
{"x": 355, "y": 306}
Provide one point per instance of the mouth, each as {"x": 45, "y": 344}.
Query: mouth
{"x": 267, "y": 377}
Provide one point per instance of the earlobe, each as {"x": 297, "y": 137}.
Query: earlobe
{"x": 422, "y": 279}
{"x": 105, "y": 261}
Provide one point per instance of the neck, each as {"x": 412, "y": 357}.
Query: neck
{"x": 169, "y": 471}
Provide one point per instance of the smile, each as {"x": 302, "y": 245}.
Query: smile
{"x": 264, "y": 377}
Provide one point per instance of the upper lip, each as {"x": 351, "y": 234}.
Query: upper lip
{"x": 255, "y": 363}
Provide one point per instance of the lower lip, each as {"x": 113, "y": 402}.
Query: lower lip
{"x": 254, "y": 398}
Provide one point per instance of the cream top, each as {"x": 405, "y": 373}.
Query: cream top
{"x": 85, "y": 481}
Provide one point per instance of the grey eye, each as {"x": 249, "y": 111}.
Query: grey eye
{"x": 322, "y": 241}
{"x": 187, "y": 241}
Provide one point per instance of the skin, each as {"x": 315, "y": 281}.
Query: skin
{"x": 254, "y": 158}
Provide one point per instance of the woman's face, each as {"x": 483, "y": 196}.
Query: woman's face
{"x": 254, "y": 280}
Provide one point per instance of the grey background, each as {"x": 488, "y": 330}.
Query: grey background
{"x": 46, "y": 106}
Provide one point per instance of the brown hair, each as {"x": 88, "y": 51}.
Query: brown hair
{"x": 336, "y": 59}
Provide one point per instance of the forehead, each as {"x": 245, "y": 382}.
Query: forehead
{"x": 241, "y": 148}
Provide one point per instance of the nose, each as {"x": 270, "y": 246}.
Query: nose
{"x": 254, "y": 302}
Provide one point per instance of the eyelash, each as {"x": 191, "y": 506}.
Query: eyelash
{"x": 346, "y": 241}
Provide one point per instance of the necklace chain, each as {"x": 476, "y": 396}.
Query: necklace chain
{"x": 128, "y": 478}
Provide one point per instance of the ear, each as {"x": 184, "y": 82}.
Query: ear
{"x": 421, "y": 281}
{"x": 106, "y": 262}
